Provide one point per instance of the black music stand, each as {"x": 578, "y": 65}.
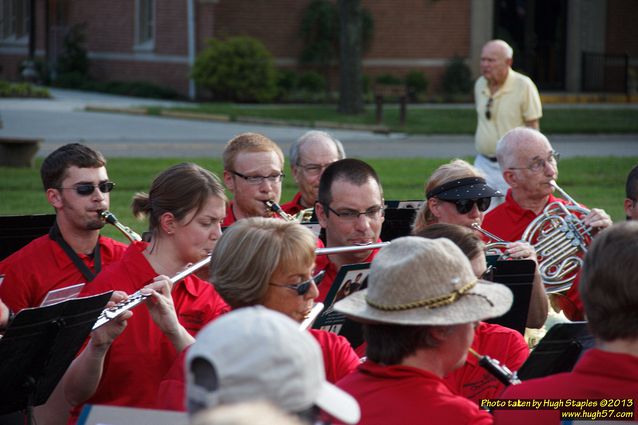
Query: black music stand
{"x": 17, "y": 231}
{"x": 39, "y": 346}
{"x": 518, "y": 275}
{"x": 399, "y": 216}
{"x": 558, "y": 351}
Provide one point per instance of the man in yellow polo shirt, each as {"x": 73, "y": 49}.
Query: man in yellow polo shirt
{"x": 505, "y": 99}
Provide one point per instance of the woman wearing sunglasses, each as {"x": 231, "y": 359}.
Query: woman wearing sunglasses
{"x": 185, "y": 207}
{"x": 456, "y": 193}
{"x": 269, "y": 262}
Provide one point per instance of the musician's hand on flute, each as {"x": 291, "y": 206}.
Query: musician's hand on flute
{"x": 162, "y": 310}
{"x": 103, "y": 337}
{"x": 598, "y": 218}
{"x": 83, "y": 375}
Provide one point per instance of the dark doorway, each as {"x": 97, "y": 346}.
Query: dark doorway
{"x": 537, "y": 30}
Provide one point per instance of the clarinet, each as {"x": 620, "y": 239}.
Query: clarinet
{"x": 137, "y": 298}
{"x": 498, "y": 370}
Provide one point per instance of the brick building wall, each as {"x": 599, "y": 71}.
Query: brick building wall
{"x": 622, "y": 31}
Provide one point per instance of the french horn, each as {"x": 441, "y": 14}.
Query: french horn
{"x": 559, "y": 237}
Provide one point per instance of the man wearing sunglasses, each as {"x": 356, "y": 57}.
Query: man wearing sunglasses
{"x": 505, "y": 99}
{"x": 530, "y": 167}
{"x": 77, "y": 186}
{"x": 309, "y": 156}
{"x": 350, "y": 209}
{"x": 253, "y": 172}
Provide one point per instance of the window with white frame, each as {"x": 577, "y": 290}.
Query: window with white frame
{"x": 14, "y": 20}
{"x": 145, "y": 23}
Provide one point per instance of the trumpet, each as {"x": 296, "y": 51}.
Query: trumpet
{"x": 137, "y": 298}
{"x": 303, "y": 216}
{"x": 108, "y": 217}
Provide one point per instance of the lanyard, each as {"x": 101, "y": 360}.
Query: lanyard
{"x": 89, "y": 275}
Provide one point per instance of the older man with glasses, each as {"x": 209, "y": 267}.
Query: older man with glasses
{"x": 309, "y": 156}
{"x": 505, "y": 99}
{"x": 530, "y": 167}
{"x": 253, "y": 172}
{"x": 350, "y": 209}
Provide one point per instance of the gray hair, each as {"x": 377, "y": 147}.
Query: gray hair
{"x": 510, "y": 144}
{"x": 309, "y": 136}
{"x": 509, "y": 52}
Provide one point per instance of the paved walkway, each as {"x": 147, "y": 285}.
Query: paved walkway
{"x": 63, "y": 119}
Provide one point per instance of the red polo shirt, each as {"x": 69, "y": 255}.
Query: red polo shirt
{"x": 338, "y": 358}
{"x": 323, "y": 263}
{"x": 294, "y": 206}
{"x": 500, "y": 343}
{"x": 408, "y": 396}
{"x": 42, "y": 266}
{"x": 230, "y": 216}
{"x": 140, "y": 357}
{"x": 597, "y": 375}
{"x": 509, "y": 221}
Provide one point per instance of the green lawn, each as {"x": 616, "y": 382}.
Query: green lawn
{"x": 424, "y": 120}
{"x": 596, "y": 182}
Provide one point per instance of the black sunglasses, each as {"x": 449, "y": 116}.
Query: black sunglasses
{"x": 488, "y": 112}
{"x": 302, "y": 288}
{"x": 85, "y": 189}
{"x": 464, "y": 206}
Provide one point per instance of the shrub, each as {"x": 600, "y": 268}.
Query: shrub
{"x": 457, "y": 78}
{"x": 416, "y": 84}
{"x": 74, "y": 57}
{"x": 389, "y": 79}
{"x": 238, "y": 69}
{"x": 22, "y": 90}
{"x": 312, "y": 82}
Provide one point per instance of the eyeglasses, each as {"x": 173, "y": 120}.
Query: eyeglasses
{"x": 302, "y": 288}
{"x": 464, "y": 206}
{"x": 373, "y": 213}
{"x": 539, "y": 163}
{"x": 313, "y": 169}
{"x": 86, "y": 189}
{"x": 488, "y": 112}
{"x": 257, "y": 180}
{"x": 488, "y": 274}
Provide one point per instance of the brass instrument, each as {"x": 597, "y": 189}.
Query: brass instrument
{"x": 127, "y": 231}
{"x": 137, "y": 298}
{"x": 303, "y": 216}
{"x": 559, "y": 238}
{"x": 497, "y": 247}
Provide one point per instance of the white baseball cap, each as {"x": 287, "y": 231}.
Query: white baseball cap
{"x": 260, "y": 354}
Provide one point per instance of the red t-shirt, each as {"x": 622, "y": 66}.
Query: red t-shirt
{"x": 294, "y": 206}
{"x": 500, "y": 343}
{"x": 407, "y": 396}
{"x": 42, "y": 266}
{"x": 323, "y": 263}
{"x": 597, "y": 375}
{"x": 338, "y": 358}
{"x": 509, "y": 221}
{"x": 140, "y": 357}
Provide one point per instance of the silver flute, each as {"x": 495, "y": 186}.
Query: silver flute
{"x": 135, "y": 299}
